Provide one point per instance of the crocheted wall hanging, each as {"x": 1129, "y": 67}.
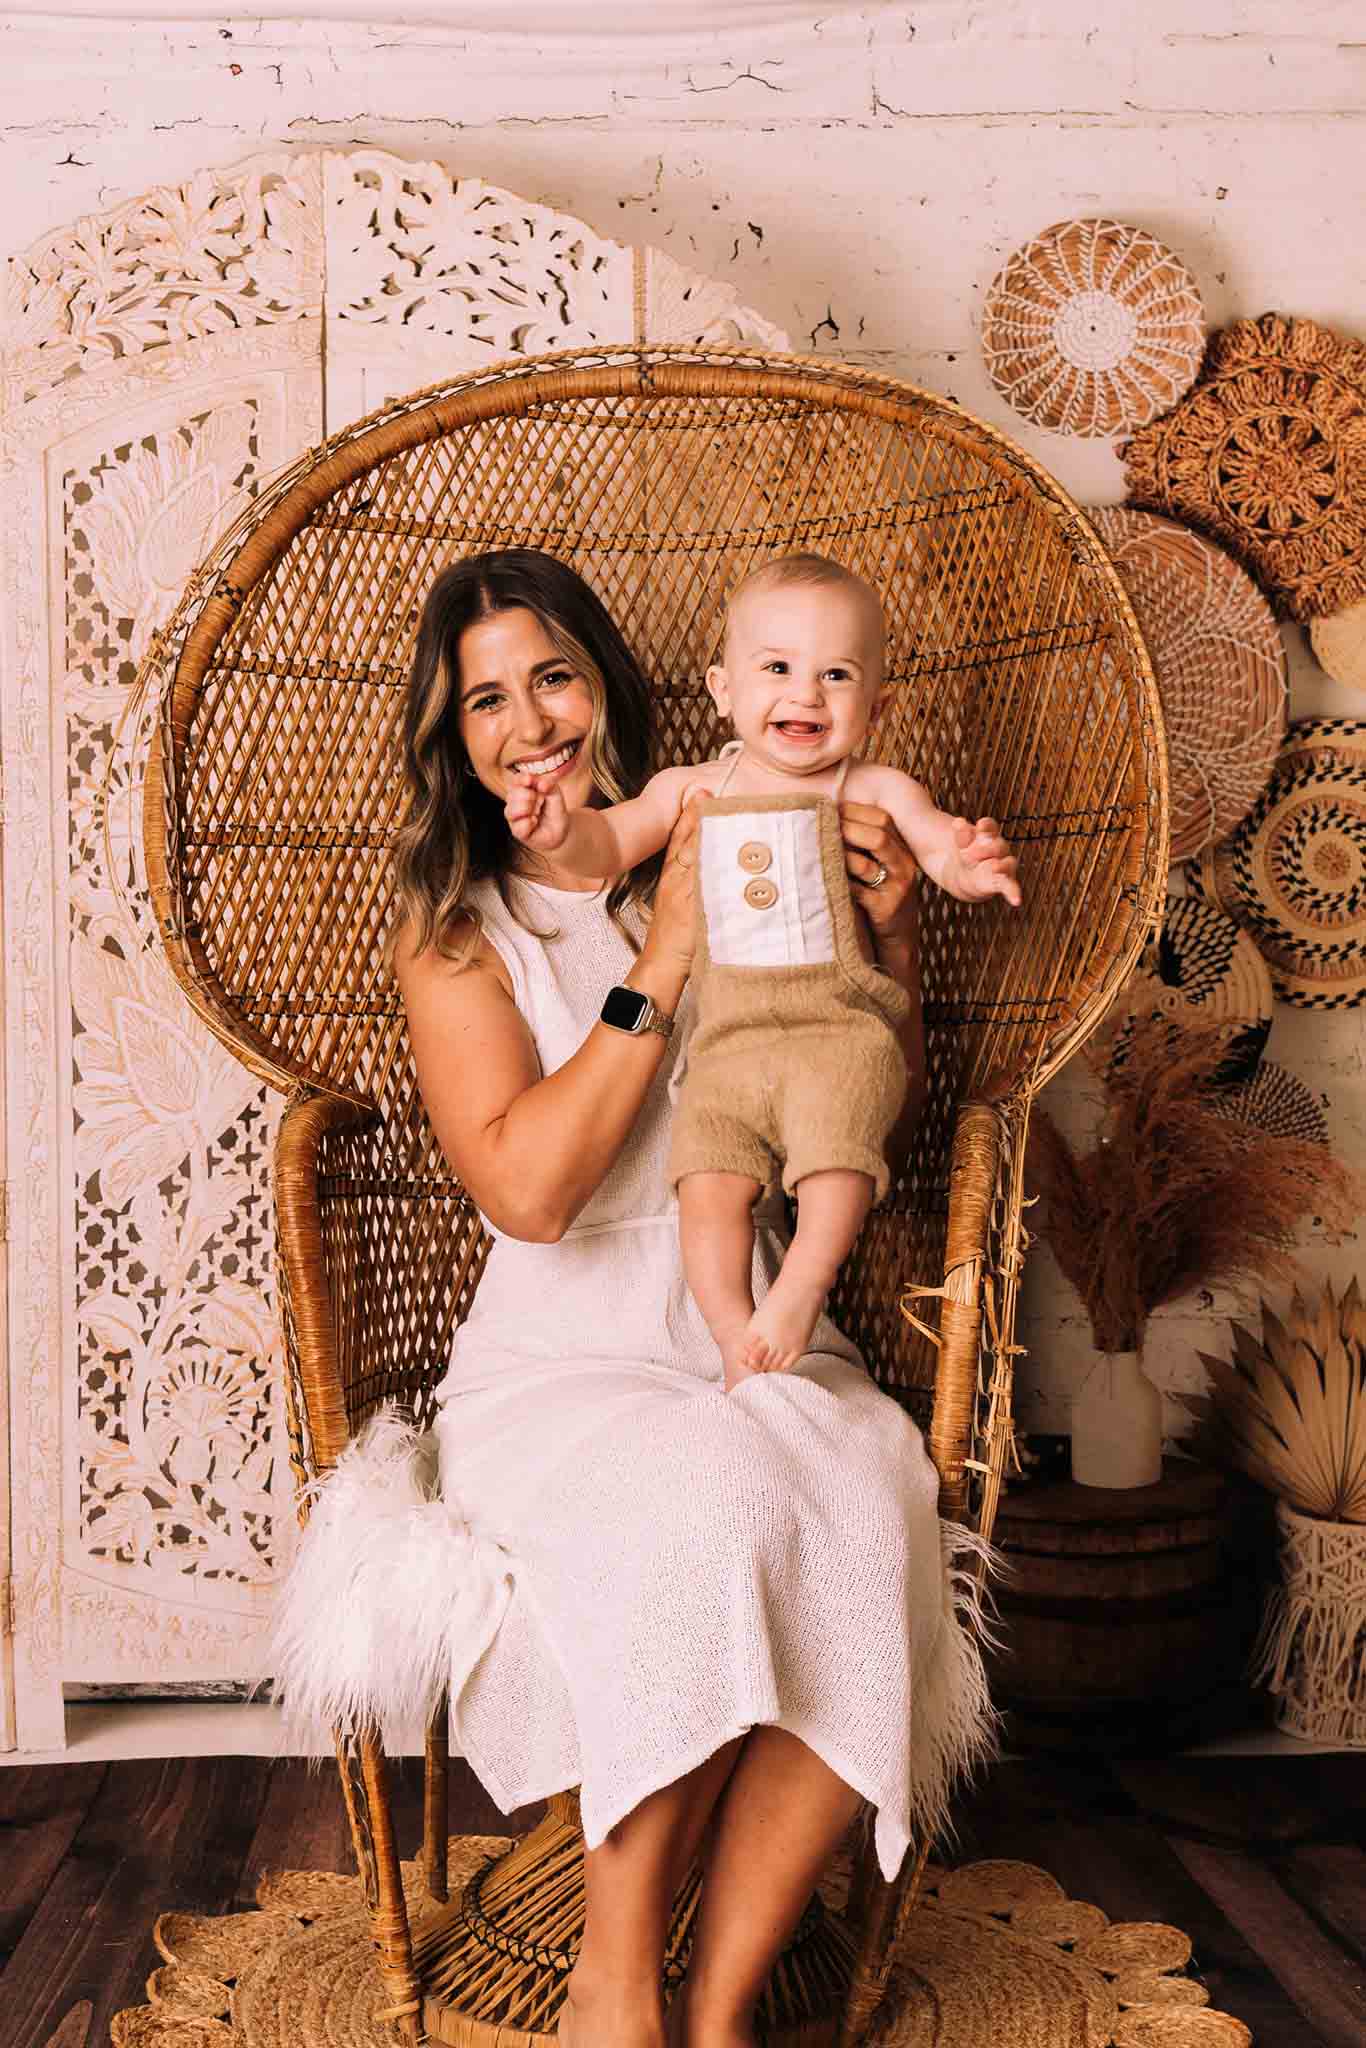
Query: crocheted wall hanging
{"x": 1268, "y": 455}
{"x": 1220, "y": 669}
{"x": 1200, "y": 969}
{"x": 1093, "y": 327}
{"x": 1277, "y": 1102}
{"x": 1339, "y": 643}
{"x": 1293, "y": 874}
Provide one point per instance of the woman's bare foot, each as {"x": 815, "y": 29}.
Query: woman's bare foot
{"x": 780, "y": 1329}
{"x": 602, "y": 2016}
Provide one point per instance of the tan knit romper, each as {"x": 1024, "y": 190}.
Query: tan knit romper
{"x": 794, "y": 1063}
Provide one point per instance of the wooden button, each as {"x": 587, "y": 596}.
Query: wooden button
{"x": 755, "y": 856}
{"x": 760, "y": 895}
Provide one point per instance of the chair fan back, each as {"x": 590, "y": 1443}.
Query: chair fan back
{"x": 1021, "y": 689}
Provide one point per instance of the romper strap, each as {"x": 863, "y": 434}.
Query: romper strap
{"x": 734, "y": 748}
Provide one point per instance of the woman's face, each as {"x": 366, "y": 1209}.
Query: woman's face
{"x": 523, "y": 706}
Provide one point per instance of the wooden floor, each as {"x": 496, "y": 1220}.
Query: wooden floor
{"x": 1262, "y": 1860}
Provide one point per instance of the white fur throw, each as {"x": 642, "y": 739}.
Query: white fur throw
{"x": 388, "y": 1589}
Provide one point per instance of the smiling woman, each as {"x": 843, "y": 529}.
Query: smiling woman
{"x": 543, "y": 684}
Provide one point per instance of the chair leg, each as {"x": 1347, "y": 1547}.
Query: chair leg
{"x": 877, "y": 1913}
{"x": 435, "y": 1804}
{"x": 366, "y": 1792}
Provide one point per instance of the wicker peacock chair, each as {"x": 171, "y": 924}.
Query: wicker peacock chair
{"x": 1022, "y": 689}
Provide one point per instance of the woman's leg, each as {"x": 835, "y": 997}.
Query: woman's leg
{"x": 630, "y": 1880}
{"x": 782, "y": 1815}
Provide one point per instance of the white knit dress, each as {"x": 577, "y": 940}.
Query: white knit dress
{"x": 667, "y": 1564}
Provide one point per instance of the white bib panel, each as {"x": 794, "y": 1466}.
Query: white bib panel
{"x": 784, "y": 924}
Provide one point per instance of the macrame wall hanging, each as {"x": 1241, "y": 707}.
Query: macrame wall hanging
{"x": 1268, "y": 456}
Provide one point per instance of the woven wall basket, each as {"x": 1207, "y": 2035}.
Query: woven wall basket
{"x": 1200, "y": 969}
{"x": 1220, "y": 669}
{"x": 1093, "y": 328}
{"x": 1312, "y": 1652}
{"x": 1277, "y": 1102}
{"x": 1294, "y": 872}
{"x": 1339, "y": 643}
{"x": 1268, "y": 455}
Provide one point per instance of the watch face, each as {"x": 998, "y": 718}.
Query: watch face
{"x": 624, "y": 1008}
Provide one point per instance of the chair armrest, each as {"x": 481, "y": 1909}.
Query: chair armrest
{"x": 315, "y": 1394}
{"x": 973, "y": 1175}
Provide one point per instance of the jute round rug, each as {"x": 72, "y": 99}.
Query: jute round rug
{"x": 996, "y": 1953}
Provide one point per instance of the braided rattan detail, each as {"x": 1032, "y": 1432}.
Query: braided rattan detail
{"x": 561, "y": 1956}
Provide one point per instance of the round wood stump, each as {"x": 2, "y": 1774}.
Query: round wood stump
{"x": 1123, "y": 1627}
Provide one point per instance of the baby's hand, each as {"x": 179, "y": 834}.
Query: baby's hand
{"x": 538, "y": 817}
{"x": 984, "y": 864}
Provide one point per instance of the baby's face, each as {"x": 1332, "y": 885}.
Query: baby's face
{"x": 801, "y": 676}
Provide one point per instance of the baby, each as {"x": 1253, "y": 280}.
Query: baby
{"x": 795, "y": 1063}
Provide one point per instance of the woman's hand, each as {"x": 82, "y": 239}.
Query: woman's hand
{"x": 876, "y": 854}
{"x": 673, "y": 928}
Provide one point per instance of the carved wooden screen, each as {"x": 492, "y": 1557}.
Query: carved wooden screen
{"x": 159, "y": 362}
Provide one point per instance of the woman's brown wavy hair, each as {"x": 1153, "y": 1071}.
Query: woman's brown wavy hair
{"x": 453, "y": 831}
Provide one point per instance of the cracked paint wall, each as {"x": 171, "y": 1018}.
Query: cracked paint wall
{"x": 859, "y": 180}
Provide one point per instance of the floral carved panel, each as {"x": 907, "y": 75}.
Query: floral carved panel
{"x": 176, "y": 1363}
{"x": 159, "y": 362}
{"x": 429, "y": 275}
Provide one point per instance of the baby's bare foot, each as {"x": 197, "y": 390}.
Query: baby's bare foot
{"x": 780, "y": 1328}
{"x": 732, "y": 1343}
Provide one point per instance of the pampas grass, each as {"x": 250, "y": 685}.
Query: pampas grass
{"x": 1175, "y": 1193}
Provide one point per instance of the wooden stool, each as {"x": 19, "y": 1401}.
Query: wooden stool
{"x": 1124, "y": 1627}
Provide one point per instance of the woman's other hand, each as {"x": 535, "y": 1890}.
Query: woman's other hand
{"x": 883, "y": 873}
{"x": 673, "y": 928}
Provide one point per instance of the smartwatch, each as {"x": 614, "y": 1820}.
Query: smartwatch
{"x": 626, "y": 1009}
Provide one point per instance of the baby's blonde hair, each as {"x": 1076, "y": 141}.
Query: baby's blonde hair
{"x": 802, "y": 568}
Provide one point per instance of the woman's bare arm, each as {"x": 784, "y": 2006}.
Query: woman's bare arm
{"x": 532, "y": 1150}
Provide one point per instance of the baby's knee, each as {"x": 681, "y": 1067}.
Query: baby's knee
{"x": 706, "y": 1195}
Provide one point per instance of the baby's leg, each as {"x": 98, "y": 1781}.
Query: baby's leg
{"x": 831, "y": 1206}
{"x": 716, "y": 1234}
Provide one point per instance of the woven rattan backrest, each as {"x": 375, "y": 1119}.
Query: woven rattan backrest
{"x": 1021, "y": 688}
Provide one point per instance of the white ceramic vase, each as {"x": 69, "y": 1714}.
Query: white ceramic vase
{"x": 1117, "y": 1424}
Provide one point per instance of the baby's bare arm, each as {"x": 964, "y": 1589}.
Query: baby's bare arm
{"x": 927, "y": 831}
{"x": 610, "y": 842}
{"x": 969, "y": 860}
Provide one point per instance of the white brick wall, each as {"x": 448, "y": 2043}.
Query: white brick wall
{"x": 859, "y": 179}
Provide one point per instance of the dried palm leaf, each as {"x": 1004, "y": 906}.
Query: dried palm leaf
{"x": 1290, "y": 1411}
